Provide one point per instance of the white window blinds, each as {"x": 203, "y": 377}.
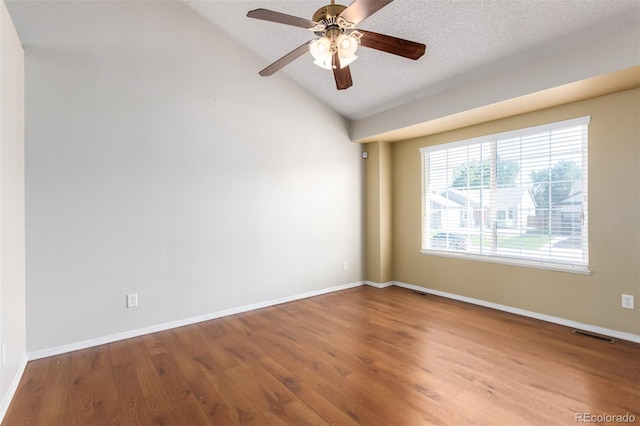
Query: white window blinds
{"x": 514, "y": 197}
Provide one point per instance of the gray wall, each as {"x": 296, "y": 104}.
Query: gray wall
{"x": 159, "y": 162}
{"x": 12, "y": 228}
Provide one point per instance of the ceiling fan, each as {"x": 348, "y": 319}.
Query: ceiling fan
{"x": 338, "y": 40}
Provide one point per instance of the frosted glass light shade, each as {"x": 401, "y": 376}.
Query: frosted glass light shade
{"x": 346, "y": 61}
{"x": 321, "y": 51}
{"x": 321, "y": 48}
{"x": 347, "y": 46}
{"x": 326, "y": 63}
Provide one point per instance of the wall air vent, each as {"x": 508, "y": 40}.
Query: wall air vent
{"x": 593, "y": 336}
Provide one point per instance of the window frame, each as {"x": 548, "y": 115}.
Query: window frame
{"x": 578, "y": 266}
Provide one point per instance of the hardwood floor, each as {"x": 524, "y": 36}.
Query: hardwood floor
{"x": 360, "y": 356}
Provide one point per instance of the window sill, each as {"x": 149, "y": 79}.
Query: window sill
{"x": 527, "y": 263}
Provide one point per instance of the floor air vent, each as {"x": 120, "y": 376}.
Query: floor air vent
{"x": 593, "y": 336}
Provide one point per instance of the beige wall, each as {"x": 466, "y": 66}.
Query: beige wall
{"x": 378, "y": 198}
{"x": 614, "y": 194}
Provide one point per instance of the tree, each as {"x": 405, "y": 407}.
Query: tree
{"x": 476, "y": 174}
{"x": 552, "y": 185}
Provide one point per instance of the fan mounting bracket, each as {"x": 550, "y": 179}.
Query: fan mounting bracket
{"x": 328, "y": 11}
{"x": 328, "y": 18}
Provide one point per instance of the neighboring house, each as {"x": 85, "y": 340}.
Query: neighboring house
{"x": 513, "y": 206}
{"x": 445, "y": 213}
{"x": 567, "y": 215}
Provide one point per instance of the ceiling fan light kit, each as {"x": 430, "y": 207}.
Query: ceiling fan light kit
{"x": 338, "y": 40}
{"x": 323, "y": 49}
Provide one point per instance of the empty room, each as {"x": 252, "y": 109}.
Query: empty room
{"x": 367, "y": 212}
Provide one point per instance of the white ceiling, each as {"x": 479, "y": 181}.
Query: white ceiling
{"x": 465, "y": 39}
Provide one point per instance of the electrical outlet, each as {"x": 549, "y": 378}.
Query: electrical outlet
{"x": 627, "y": 301}
{"x": 345, "y": 265}
{"x": 132, "y": 300}
{"x": 4, "y": 353}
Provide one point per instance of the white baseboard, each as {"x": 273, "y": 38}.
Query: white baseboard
{"x": 193, "y": 320}
{"x": 12, "y": 388}
{"x": 379, "y": 285}
{"x": 548, "y": 318}
{"x": 180, "y": 323}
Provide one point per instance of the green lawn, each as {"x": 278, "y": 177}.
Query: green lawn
{"x": 525, "y": 242}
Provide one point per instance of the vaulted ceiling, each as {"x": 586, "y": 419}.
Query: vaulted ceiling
{"x": 485, "y": 59}
{"x": 465, "y": 39}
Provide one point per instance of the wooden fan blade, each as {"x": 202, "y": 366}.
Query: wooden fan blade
{"x": 393, "y": 45}
{"x": 341, "y": 75}
{"x": 285, "y": 60}
{"x": 359, "y": 10}
{"x": 280, "y": 18}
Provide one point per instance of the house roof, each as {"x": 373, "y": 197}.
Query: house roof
{"x": 438, "y": 201}
{"x": 573, "y": 199}
{"x": 507, "y": 198}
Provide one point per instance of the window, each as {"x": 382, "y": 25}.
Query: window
{"x": 515, "y": 197}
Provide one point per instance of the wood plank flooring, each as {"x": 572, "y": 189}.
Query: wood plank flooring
{"x": 360, "y": 356}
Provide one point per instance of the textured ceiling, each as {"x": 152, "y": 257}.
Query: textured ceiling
{"x": 464, "y": 38}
